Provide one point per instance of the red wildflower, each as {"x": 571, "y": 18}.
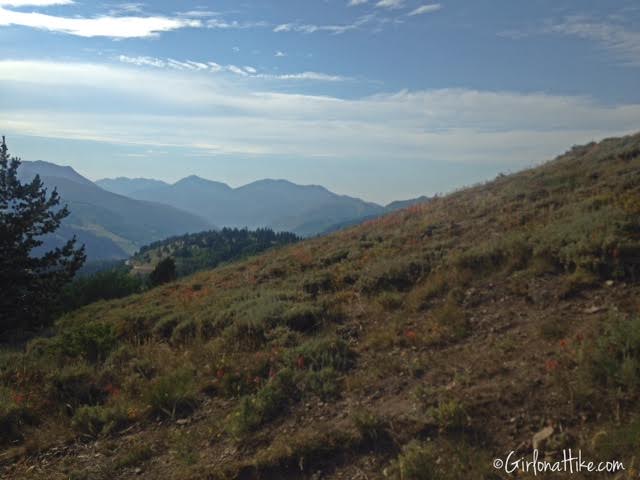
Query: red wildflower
{"x": 18, "y": 398}
{"x": 220, "y": 373}
{"x": 300, "y": 362}
{"x": 563, "y": 343}
{"x": 410, "y": 335}
{"x": 551, "y": 365}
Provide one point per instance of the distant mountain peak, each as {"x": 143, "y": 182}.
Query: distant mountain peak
{"x": 29, "y": 169}
{"x": 196, "y": 180}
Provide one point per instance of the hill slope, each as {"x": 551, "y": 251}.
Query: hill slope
{"x": 422, "y": 344}
{"x": 277, "y": 204}
{"x": 112, "y": 226}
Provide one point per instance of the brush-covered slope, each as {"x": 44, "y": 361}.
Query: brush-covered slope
{"x": 111, "y": 226}
{"x": 416, "y": 346}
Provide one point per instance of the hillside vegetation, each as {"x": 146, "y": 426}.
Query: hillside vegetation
{"x": 199, "y": 251}
{"x": 419, "y": 345}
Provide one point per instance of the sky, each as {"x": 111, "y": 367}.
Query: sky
{"x": 379, "y": 99}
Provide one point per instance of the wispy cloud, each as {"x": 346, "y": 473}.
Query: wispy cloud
{"x": 353, "y": 3}
{"x": 335, "y": 29}
{"x": 425, "y": 9}
{"x": 213, "y": 67}
{"x": 34, "y": 3}
{"x": 616, "y": 38}
{"x": 391, "y": 4}
{"x": 234, "y": 24}
{"x": 102, "y": 26}
{"x": 611, "y": 35}
{"x": 456, "y": 125}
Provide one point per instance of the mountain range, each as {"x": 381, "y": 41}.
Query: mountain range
{"x": 278, "y": 204}
{"x": 115, "y": 217}
{"x": 111, "y": 226}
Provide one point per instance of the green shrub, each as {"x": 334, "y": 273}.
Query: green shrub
{"x": 318, "y": 282}
{"x": 450, "y": 415}
{"x": 90, "y": 341}
{"x": 453, "y": 319}
{"x": 75, "y": 385}
{"x": 184, "y": 332}
{"x": 416, "y": 462}
{"x": 134, "y": 455}
{"x": 324, "y": 383}
{"x": 372, "y": 428}
{"x": 93, "y": 420}
{"x": 325, "y": 352}
{"x": 173, "y": 394}
{"x": 164, "y": 328}
{"x": 397, "y": 274}
{"x": 390, "y": 300}
{"x": 14, "y": 415}
{"x": 255, "y": 410}
{"x": 303, "y": 317}
{"x": 613, "y": 363}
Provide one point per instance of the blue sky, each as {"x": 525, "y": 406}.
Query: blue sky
{"x": 382, "y": 99}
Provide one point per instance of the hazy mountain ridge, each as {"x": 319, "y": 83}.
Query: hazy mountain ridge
{"x": 279, "y": 204}
{"x": 112, "y": 226}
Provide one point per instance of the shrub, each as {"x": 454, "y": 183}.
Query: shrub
{"x": 14, "y": 415}
{"x": 90, "y": 341}
{"x": 324, "y": 383}
{"x": 173, "y": 394}
{"x": 398, "y": 274}
{"x": 184, "y": 332}
{"x": 303, "y": 317}
{"x": 134, "y": 455}
{"x": 318, "y": 283}
{"x": 372, "y": 428}
{"x": 614, "y": 361}
{"x": 320, "y": 353}
{"x": 93, "y": 420}
{"x": 453, "y": 319}
{"x": 75, "y": 385}
{"x": 416, "y": 462}
{"x": 450, "y": 415}
{"x": 264, "y": 405}
{"x": 164, "y": 328}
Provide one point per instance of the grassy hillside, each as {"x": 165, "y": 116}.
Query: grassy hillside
{"x": 419, "y": 345}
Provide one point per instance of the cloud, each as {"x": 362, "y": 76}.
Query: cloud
{"x": 391, "y": 4}
{"x": 280, "y": 54}
{"x": 196, "y": 110}
{"x": 34, "y": 3}
{"x": 425, "y": 9}
{"x": 335, "y": 29}
{"x": 616, "y": 38}
{"x": 353, "y": 3}
{"x": 213, "y": 67}
{"x": 103, "y": 26}
{"x": 234, "y": 24}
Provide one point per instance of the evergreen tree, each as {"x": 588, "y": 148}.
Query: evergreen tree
{"x": 30, "y": 284}
{"x": 164, "y": 272}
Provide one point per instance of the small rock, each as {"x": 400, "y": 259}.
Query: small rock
{"x": 182, "y": 421}
{"x": 541, "y": 437}
{"x": 138, "y": 471}
{"x": 593, "y": 309}
{"x": 609, "y": 283}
